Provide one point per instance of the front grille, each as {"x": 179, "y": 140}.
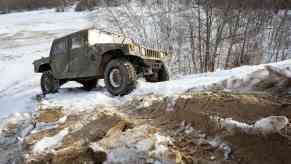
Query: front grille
{"x": 152, "y": 54}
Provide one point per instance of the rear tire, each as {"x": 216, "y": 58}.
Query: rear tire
{"x": 120, "y": 77}
{"x": 48, "y": 83}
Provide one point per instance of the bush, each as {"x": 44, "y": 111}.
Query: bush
{"x": 85, "y": 5}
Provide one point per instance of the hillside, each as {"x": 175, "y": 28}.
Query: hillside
{"x": 233, "y": 116}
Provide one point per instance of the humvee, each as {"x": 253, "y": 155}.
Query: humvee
{"x": 89, "y": 55}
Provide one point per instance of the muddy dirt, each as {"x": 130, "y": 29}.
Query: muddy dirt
{"x": 196, "y": 109}
{"x": 168, "y": 130}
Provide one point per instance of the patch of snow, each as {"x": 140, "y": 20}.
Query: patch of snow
{"x": 229, "y": 123}
{"x": 145, "y": 145}
{"x": 147, "y": 100}
{"x": 220, "y": 145}
{"x": 62, "y": 120}
{"x": 48, "y": 143}
{"x": 161, "y": 145}
{"x": 96, "y": 147}
{"x": 271, "y": 124}
{"x": 133, "y": 145}
{"x": 171, "y": 104}
{"x": 122, "y": 155}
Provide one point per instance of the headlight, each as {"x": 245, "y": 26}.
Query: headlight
{"x": 131, "y": 47}
{"x": 163, "y": 54}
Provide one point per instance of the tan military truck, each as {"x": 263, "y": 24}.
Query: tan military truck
{"x": 89, "y": 55}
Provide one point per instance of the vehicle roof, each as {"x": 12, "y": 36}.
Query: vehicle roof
{"x": 86, "y": 30}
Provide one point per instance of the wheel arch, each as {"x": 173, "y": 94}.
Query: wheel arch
{"x": 44, "y": 67}
{"x": 119, "y": 53}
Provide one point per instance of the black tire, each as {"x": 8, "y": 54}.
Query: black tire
{"x": 48, "y": 83}
{"x": 159, "y": 76}
{"x": 89, "y": 84}
{"x": 120, "y": 77}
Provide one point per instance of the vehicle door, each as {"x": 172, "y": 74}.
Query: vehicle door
{"x": 59, "y": 57}
{"x": 82, "y": 64}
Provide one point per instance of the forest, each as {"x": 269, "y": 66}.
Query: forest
{"x": 201, "y": 35}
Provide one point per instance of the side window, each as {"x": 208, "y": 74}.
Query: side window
{"x": 76, "y": 42}
{"x": 60, "y": 47}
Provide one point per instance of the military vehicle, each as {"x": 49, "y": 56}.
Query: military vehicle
{"x": 89, "y": 55}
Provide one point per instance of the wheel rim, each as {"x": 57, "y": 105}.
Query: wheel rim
{"x": 115, "y": 78}
{"x": 48, "y": 84}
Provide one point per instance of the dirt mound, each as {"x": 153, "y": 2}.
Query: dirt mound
{"x": 200, "y": 127}
{"x": 199, "y": 136}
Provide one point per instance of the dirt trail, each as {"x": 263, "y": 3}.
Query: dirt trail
{"x": 186, "y": 129}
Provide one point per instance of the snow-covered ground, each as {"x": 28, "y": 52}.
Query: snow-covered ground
{"x": 27, "y": 36}
{"x": 236, "y": 79}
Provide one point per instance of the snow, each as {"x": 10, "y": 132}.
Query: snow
{"x": 23, "y": 41}
{"x": 272, "y": 124}
{"x": 267, "y": 125}
{"x": 133, "y": 145}
{"x": 14, "y": 119}
{"x": 48, "y": 143}
{"x": 78, "y": 99}
{"x": 62, "y": 120}
{"x": 24, "y": 37}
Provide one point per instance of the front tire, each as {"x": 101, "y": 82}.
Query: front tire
{"x": 48, "y": 83}
{"x": 120, "y": 77}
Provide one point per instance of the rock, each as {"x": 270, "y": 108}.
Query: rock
{"x": 50, "y": 115}
{"x": 212, "y": 158}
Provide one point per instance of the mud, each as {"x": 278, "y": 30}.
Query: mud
{"x": 132, "y": 133}
{"x": 196, "y": 110}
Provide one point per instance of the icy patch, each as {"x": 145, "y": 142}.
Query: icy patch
{"x": 15, "y": 120}
{"x": 48, "y": 143}
{"x": 41, "y": 126}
